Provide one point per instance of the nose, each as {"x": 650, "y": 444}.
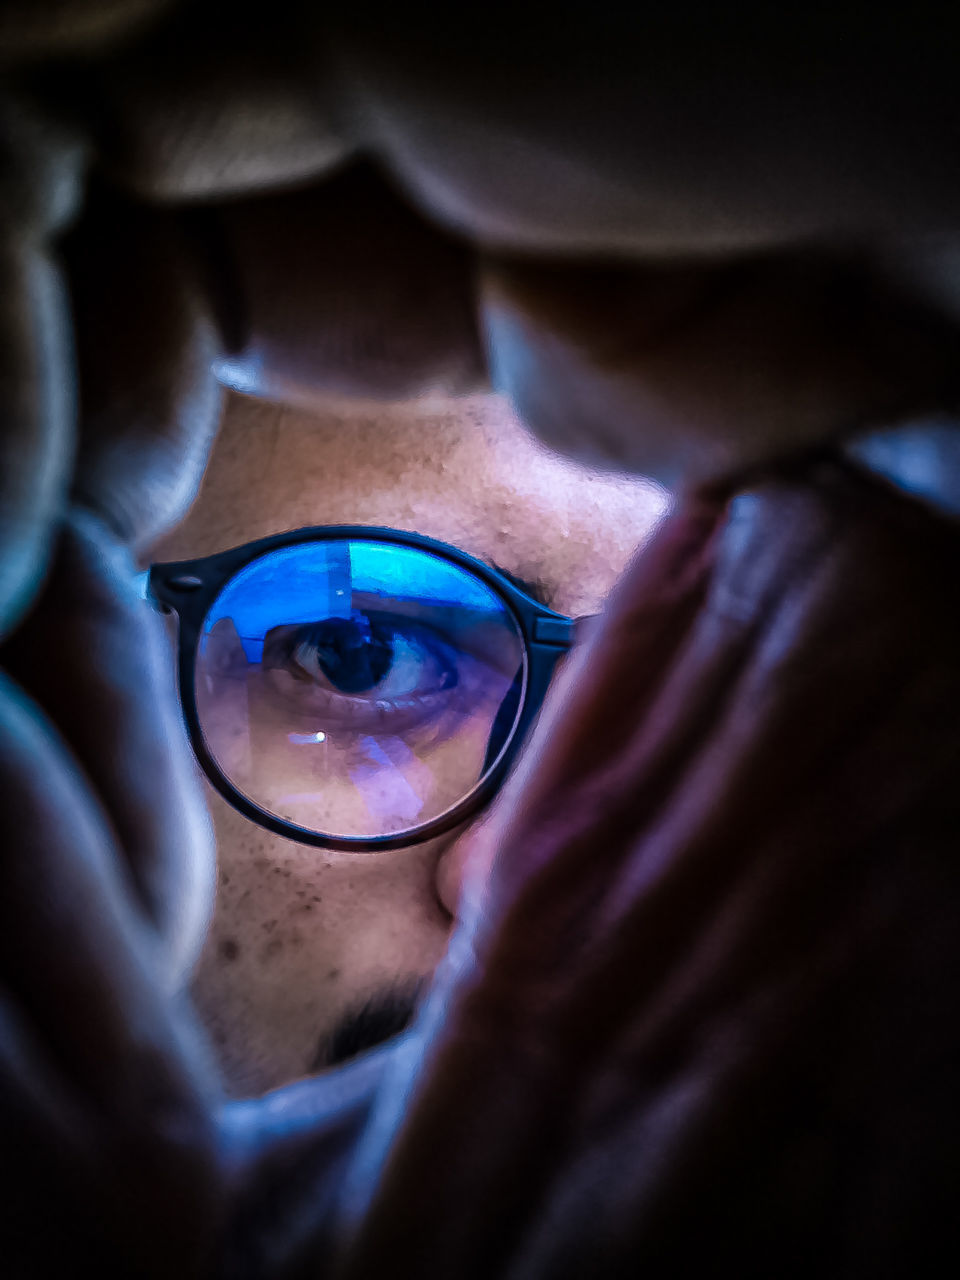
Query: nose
{"x": 465, "y": 856}
{"x": 449, "y": 873}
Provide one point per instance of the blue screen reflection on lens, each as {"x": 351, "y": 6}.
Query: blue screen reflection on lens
{"x": 357, "y": 688}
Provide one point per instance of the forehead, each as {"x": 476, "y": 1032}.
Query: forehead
{"x": 464, "y": 471}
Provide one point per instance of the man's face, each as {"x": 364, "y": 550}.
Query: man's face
{"x": 314, "y": 955}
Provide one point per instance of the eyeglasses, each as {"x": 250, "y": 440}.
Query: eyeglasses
{"x": 357, "y": 688}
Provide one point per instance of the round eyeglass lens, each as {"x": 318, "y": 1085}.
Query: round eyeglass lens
{"x": 358, "y": 688}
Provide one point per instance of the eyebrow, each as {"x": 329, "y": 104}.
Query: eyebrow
{"x": 535, "y": 589}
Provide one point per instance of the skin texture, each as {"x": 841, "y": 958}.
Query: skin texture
{"x": 301, "y": 936}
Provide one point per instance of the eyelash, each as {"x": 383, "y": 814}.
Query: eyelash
{"x": 438, "y": 648}
{"x": 363, "y": 712}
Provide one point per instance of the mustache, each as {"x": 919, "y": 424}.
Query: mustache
{"x": 378, "y": 1018}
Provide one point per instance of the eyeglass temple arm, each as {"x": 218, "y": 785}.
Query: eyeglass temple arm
{"x": 564, "y": 632}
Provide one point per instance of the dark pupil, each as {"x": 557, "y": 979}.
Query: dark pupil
{"x": 353, "y": 653}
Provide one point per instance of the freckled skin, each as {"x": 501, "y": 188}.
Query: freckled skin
{"x": 300, "y": 936}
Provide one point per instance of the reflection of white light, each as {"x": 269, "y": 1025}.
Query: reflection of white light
{"x": 303, "y": 739}
{"x": 242, "y": 373}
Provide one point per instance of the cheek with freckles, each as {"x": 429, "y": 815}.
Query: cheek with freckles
{"x": 300, "y": 938}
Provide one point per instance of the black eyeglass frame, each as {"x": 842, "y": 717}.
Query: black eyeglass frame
{"x": 188, "y": 588}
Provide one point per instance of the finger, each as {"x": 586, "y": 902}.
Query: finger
{"x": 669, "y": 587}
{"x": 211, "y": 105}
{"x": 42, "y": 1130}
{"x": 550, "y": 165}
{"x": 147, "y": 337}
{"x": 775, "y": 910}
{"x": 689, "y": 373}
{"x": 93, "y": 654}
{"x": 638, "y": 132}
{"x": 31, "y": 29}
{"x": 39, "y": 174}
{"x": 695, "y": 373}
{"x": 66, "y": 1174}
{"x": 285, "y": 1154}
{"x": 37, "y": 441}
{"x": 149, "y": 409}
{"x": 343, "y": 289}
{"x": 81, "y": 971}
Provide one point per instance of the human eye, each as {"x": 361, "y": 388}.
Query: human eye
{"x": 356, "y": 688}
{"x": 369, "y": 671}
